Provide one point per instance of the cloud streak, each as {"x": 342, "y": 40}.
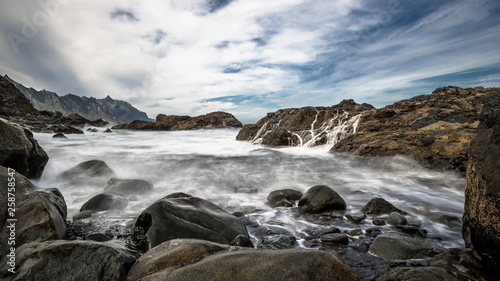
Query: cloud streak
{"x": 250, "y": 57}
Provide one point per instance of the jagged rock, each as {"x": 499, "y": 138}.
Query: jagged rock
{"x": 127, "y": 187}
{"x": 89, "y": 171}
{"x": 71, "y": 260}
{"x": 59, "y": 135}
{"x": 187, "y": 259}
{"x": 288, "y": 194}
{"x": 321, "y": 198}
{"x": 435, "y": 129}
{"x": 40, "y": 213}
{"x": 293, "y": 126}
{"x": 378, "y": 206}
{"x": 20, "y": 151}
{"x": 104, "y": 202}
{"x": 395, "y": 246}
{"x": 481, "y": 220}
{"x": 186, "y": 217}
{"x": 417, "y": 273}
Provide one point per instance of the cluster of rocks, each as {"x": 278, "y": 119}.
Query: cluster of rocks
{"x": 175, "y": 122}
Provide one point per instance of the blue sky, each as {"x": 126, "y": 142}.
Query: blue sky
{"x": 249, "y": 57}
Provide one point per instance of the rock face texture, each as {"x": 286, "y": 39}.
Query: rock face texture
{"x": 435, "y": 129}
{"x": 20, "y": 151}
{"x": 307, "y": 126}
{"x": 175, "y": 122}
{"x": 40, "y": 213}
{"x": 481, "y": 220}
{"x": 189, "y": 259}
{"x": 90, "y": 108}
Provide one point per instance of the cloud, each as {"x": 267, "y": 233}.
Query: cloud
{"x": 252, "y": 56}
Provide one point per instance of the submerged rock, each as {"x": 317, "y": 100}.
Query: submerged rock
{"x": 188, "y": 259}
{"x": 128, "y": 187}
{"x": 104, "y": 202}
{"x": 186, "y": 217}
{"x": 288, "y": 194}
{"x": 321, "y": 198}
{"x": 277, "y": 241}
{"x": 20, "y": 151}
{"x": 395, "y": 246}
{"x": 378, "y": 206}
{"x": 89, "y": 171}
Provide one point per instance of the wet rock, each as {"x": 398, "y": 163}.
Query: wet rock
{"x": 126, "y": 187}
{"x": 414, "y": 230}
{"x": 465, "y": 264}
{"x": 20, "y": 151}
{"x": 448, "y": 220}
{"x": 356, "y": 217}
{"x": 242, "y": 241}
{"x": 186, "y": 260}
{"x": 355, "y": 232}
{"x": 177, "y": 195}
{"x": 277, "y": 241}
{"x": 99, "y": 237}
{"x": 92, "y": 130}
{"x": 187, "y": 217}
{"x": 88, "y": 172}
{"x": 378, "y": 222}
{"x": 395, "y": 246}
{"x": 334, "y": 238}
{"x": 40, "y": 213}
{"x": 373, "y": 232}
{"x": 83, "y": 215}
{"x": 59, "y": 135}
{"x": 245, "y": 189}
{"x": 284, "y": 203}
{"x": 330, "y": 230}
{"x": 481, "y": 219}
{"x": 396, "y": 219}
{"x": 417, "y": 273}
{"x": 278, "y": 195}
{"x": 321, "y": 198}
{"x": 108, "y": 130}
{"x": 378, "y": 206}
{"x": 104, "y": 202}
{"x": 71, "y": 260}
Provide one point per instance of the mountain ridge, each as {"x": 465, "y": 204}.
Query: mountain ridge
{"x": 91, "y": 108}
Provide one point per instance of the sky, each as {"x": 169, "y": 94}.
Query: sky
{"x": 249, "y": 57}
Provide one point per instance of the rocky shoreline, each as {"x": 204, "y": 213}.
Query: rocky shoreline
{"x": 182, "y": 237}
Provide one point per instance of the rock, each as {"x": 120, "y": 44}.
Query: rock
{"x": 70, "y": 260}
{"x": 187, "y": 217}
{"x": 177, "y": 195}
{"x": 356, "y": 217}
{"x": 355, "y": 232}
{"x": 20, "y": 151}
{"x": 242, "y": 241}
{"x": 448, "y": 220}
{"x": 278, "y": 195}
{"x": 12, "y": 101}
{"x": 40, "y": 213}
{"x": 414, "y": 230}
{"x": 321, "y": 198}
{"x": 187, "y": 260}
{"x": 417, "y": 273}
{"x": 435, "y": 130}
{"x": 373, "y": 232}
{"x": 330, "y": 230}
{"x": 334, "y": 238}
{"x": 396, "y": 219}
{"x": 465, "y": 264}
{"x": 104, "y": 202}
{"x": 127, "y": 187}
{"x": 99, "y": 237}
{"x": 59, "y": 135}
{"x": 277, "y": 241}
{"x": 108, "y": 130}
{"x": 378, "y": 222}
{"x": 307, "y": 126}
{"x": 378, "y": 206}
{"x": 284, "y": 203}
{"x": 92, "y": 130}
{"x": 395, "y": 246}
{"x": 89, "y": 171}
{"x": 481, "y": 219}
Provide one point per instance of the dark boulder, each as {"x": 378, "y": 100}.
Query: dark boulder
{"x": 20, "y": 151}
{"x": 187, "y": 260}
{"x": 356, "y": 217}
{"x": 126, "y": 187}
{"x": 108, "y": 130}
{"x": 378, "y": 206}
{"x": 40, "y": 213}
{"x": 104, "y": 202}
{"x": 396, "y": 218}
{"x": 209, "y": 121}
{"x": 89, "y": 171}
{"x": 59, "y": 135}
{"x": 321, "y": 198}
{"x": 277, "y": 241}
{"x": 186, "y": 217}
{"x": 71, "y": 261}
{"x": 288, "y": 194}
{"x": 395, "y": 246}
{"x": 417, "y": 274}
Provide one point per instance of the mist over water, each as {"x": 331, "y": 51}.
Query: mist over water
{"x": 238, "y": 176}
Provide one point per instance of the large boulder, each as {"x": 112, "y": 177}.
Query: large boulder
{"x": 71, "y": 261}
{"x": 40, "y": 213}
{"x": 104, "y": 202}
{"x": 186, "y": 217}
{"x": 320, "y": 198}
{"x": 187, "y": 259}
{"x": 20, "y": 151}
{"x": 126, "y": 187}
{"x": 396, "y": 246}
{"x": 93, "y": 171}
{"x": 481, "y": 220}
{"x": 417, "y": 274}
